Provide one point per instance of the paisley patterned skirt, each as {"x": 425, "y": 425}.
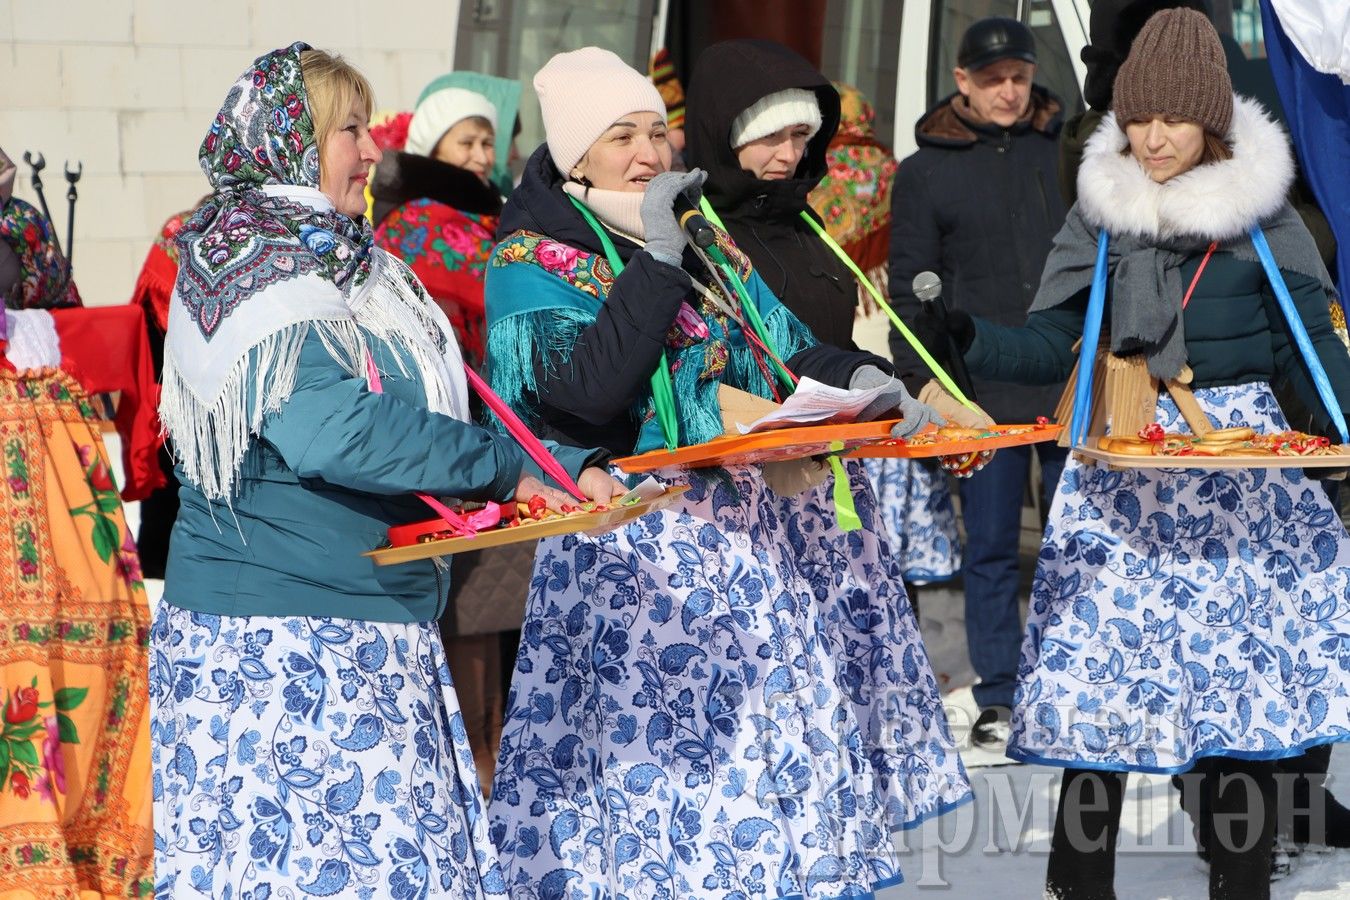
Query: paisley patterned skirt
{"x": 322, "y": 757}
{"x": 1183, "y": 613}
{"x": 688, "y": 718}
{"x": 914, "y": 505}
{"x": 868, "y": 623}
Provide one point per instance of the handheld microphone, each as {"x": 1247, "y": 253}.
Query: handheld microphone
{"x": 927, "y": 286}
{"x": 693, "y": 223}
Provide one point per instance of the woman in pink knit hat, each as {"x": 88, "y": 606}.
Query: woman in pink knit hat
{"x": 691, "y": 714}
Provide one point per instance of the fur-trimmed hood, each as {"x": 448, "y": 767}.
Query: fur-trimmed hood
{"x": 1219, "y": 201}
{"x": 948, "y": 124}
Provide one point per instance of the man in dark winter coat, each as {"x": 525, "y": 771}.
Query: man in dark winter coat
{"x": 978, "y": 205}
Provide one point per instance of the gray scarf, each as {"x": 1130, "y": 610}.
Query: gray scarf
{"x": 1145, "y": 287}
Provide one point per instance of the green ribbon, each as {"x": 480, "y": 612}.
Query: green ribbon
{"x": 663, "y": 388}
{"x": 943, "y": 378}
{"x": 844, "y": 507}
{"x": 752, "y": 316}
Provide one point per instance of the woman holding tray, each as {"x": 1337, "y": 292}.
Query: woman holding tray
{"x": 688, "y": 716}
{"x": 760, "y": 121}
{"x": 1182, "y": 619}
{"x": 305, "y": 732}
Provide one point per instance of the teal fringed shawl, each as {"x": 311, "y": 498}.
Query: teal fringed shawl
{"x": 541, "y": 295}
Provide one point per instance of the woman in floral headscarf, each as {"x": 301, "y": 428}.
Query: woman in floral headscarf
{"x": 33, "y": 271}
{"x": 306, "y": 736}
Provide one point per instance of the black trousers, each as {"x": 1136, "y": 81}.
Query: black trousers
{"x": 1239, "y": 836}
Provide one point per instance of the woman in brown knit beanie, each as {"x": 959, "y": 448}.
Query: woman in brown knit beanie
{"x": 1182, "y": 620}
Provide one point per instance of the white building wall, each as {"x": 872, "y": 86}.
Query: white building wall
{"x": 130, "y": 87}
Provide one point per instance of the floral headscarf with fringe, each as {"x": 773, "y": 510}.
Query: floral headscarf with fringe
{"x": 263, "y": 262}
{"x": 264, "y": 136}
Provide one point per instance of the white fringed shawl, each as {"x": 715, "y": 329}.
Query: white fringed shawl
{"x": 217, "y": 392}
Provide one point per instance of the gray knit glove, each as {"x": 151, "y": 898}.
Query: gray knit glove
{"x": 915, "y": 415}
{"x": 665, "y": 238}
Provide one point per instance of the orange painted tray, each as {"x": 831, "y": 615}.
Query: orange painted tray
{"x": 1338, "y": 460}
{"x": 530, "y": 531}
{"x": 765, "y": 446}
{"x": 899, "y": 449}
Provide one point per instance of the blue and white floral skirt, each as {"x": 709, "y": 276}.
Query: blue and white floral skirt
{"x": 914, "y": 504}
{"x": 682, "y": 721}
{"x": 322, "y": 757}
{"x": 868, "y": 623}
{"x": 1183, "y": 613}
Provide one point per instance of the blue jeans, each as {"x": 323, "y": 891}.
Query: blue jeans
{"x": 991, "y": 505}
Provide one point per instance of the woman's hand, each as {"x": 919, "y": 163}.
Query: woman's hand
{"x": 600, "y": 486}
{"x": 665, "y": 238}
{"x": 529, "y": 486}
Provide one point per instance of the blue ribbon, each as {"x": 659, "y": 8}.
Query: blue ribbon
{"x": 1087, "y": 352}
{"x": 1315, "y": 369}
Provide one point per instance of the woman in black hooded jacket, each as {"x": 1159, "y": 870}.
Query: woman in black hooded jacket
{"x": 764, "y": 215}
{"x": 759, "y": 120}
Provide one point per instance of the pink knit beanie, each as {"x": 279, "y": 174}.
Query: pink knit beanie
{"x": 582, "y": 93}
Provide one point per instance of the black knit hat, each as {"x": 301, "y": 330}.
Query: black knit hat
{"x": 992, "y": 39}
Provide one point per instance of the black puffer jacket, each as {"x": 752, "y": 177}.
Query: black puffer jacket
{"x": 979, "y": 205}
{"x": 586, "y": 400}
{"x": 764, "y": 217}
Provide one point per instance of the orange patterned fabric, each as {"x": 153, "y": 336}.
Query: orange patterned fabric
{"x": 75, "y": 800}
{"x": 854, "y": 197}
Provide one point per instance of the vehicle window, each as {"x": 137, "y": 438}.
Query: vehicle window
{"x": 514, "y": 39}
{"x": 859, "y": 47}
{"x": 1245, "y": 21}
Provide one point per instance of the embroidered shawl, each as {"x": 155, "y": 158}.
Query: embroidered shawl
{"x": 265, "y": 261}
{"x": 541, "y": 294}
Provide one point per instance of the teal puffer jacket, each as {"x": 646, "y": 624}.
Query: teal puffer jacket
{"x": 333, "y": 469}
{"x": 1235, "y": 334}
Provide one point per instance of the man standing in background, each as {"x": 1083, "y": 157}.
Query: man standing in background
{"x": 978, "y": 204}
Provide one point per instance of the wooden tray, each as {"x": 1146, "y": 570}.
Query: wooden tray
{"x": 532, "y": 531}
{"x": 899, "y": 449}
{"x": 765, "y": 446}
{"x": 1338, "y": 460}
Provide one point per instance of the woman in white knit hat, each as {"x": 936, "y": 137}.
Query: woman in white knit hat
{"x": 690, "y": 715}
{"x": 436, "y": 205}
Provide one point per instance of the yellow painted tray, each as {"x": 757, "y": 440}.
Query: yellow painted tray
{"x": 1337, "y": 460}
{"x": 902, "y": 449}
{"x": 529, "y": 531}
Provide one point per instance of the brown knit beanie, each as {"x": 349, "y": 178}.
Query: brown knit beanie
{"x": 1176, "y": 68}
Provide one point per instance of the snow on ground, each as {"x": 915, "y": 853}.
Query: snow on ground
{"x": 995, "y": 848}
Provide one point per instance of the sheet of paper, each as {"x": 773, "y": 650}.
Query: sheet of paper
{"x": 814, "y": 403}
{"x": 649, "y": 489}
